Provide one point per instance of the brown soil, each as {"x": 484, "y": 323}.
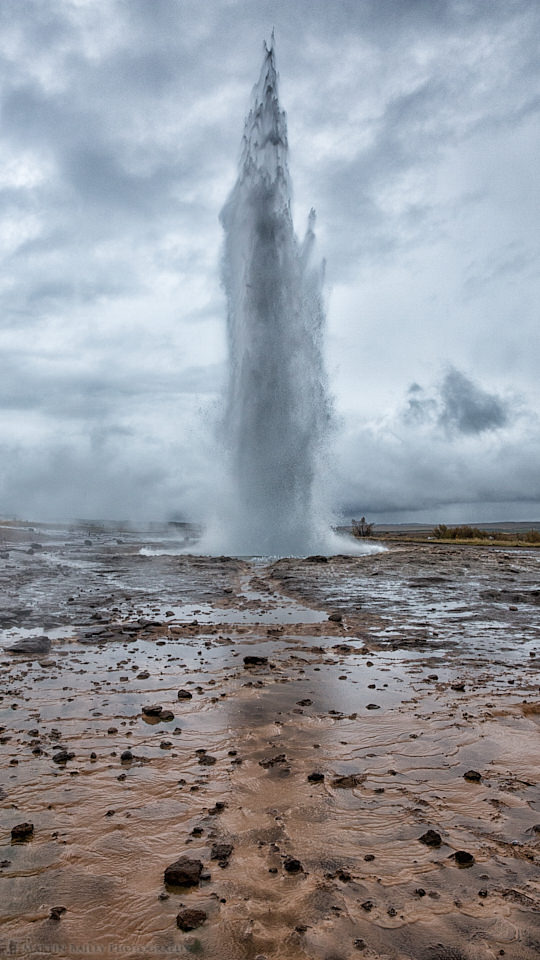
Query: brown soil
{"x": 429, "y": 674}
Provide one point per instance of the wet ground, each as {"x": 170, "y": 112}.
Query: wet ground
{"x": 301, "y": 785}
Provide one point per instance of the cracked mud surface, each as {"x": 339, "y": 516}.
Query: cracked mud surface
{"x": 302, "y": 784}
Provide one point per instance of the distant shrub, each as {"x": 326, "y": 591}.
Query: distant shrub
{"x": 361, "y": 528}
{"x": 532, "y": 536}
{"x": 442, "y": 532}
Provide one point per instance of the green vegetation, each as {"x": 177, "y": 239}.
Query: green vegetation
{"x": 442, "y": 532}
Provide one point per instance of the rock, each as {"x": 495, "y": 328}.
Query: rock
{"x": 457, "y": 686}
{"x": 431, "y": 838}
{"x": 183, "y": 872}
{"x": 348, "y": 782}
{"x": 31, "y": 647}
{"x": 126, "y": 756}
{"x": 316, "y": 777}
{"x": 335, "y": 617}
{"x": 221, "y": 851}
{"x": 154, "y": 710}
{"x": 166, "y": 716}
{"x": 367, "y": 905}
{"x": 292, "y": 865}
{"x": 359, "y": 944}
{"x": 373, "y": 706}
{"x": 255, "y": 661}
{"x": 317, "y": 558}
{"x": 184, "y": 695}
{"x": 56, "y": 913}
{"x": 207, "y": 761}
{"x": 22, "y": 831}
{"x": 304, "y": 703}
{"x": 272, "y": 761}
{"x": 473, "y": 776}
{"x": 62, "y": 756}
{"x": 190, "y": 919}
{"x": 462, "y": 858}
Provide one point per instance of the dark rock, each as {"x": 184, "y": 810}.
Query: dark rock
{"x": 359, "y": 943}
{"x": 190, "y": 919}
{"x": 317, "y": 558}
{"x": 207, "y": 761}
{"x": 62, "y": 756}
{"x": 166, "y": 716}
{"x": 255, "y": 661}
{"x": 431, "y": 838}
{"x": 369, "y": 857}
{"x": 335, "y": 617}
{"x": 221, "y": 851}
{"x": 185, "y": 695}
{"x": 367, "y": 905}
{"x": 154, "y": 710}
{"x": 183, "y": 872}
{"x": 316, "y": 777}
{"x": 56, "y": 913}
{"x": 292, "y": 865}
{"x": 272, "y": 761}
{"x": 373, "y": 706}
{"x": 304, "y": 703}
{"x": 463, "y": 859}
{"x": 348, "y": 782}
{"x": 457, "y": 686}
{"x": 473, "y": 776}
{"x": 22, "y": 831}
{"x": 126, "y": 756}
{"x": 31, "y": 647}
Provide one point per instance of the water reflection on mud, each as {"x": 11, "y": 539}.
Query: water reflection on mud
{"x": 322, "y": 767}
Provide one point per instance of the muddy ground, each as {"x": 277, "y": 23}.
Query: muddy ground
{"x": 370, "y": 789}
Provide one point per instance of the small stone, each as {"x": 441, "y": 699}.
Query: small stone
{"x": 367, "y": 905}
{"x": 431, "y": 838}
{"x": 221, "y": 851}
{"x": 190, "y": 919}
{"x": 420, "y": 892}
{"x": 292, "y": 865}
{"x": 335, "y": 617}
{"x": 316, "y": 777}
{"x": 255, "y": 661}
{"x": 457, "y": 686}
{"x": 184, "y": 695}
{"x": 473, "y": 776}
{"x": 62, "y": 756}
{"x": 483, "y": 892}
{"x": 154, "y": 710}
{"x": 22, "y": 831}
{"x": 369, "y": 857}
{"x": 359, "y": 944}
{"x": 166, "y": 716}
{"x": 373, "y": 706}
{"x": 126, "y": 756}
{"x": 463, "y": 859}
{"x": 207, "y": 761}
{"x": 56, "y": 913}
{"x": 183, "y": 872}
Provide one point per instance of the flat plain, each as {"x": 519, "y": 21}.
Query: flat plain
{"x": 346, "y": 748}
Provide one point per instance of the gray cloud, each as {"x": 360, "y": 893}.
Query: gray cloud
{"x": 413, "y": 130}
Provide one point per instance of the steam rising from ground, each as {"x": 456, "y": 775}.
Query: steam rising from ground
{"x": 277, "y": 412}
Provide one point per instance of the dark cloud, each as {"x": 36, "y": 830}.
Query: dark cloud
{"x": 468, "y": 408}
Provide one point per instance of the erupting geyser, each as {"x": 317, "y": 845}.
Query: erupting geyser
{"x": 277, "y": 409}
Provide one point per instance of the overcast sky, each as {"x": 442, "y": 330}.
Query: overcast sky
{"x": 413, "y": 131}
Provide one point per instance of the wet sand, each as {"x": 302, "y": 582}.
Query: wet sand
{"x": 302, "y": 785}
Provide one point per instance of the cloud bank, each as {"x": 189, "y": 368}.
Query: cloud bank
{"x": 413, "y": 127}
